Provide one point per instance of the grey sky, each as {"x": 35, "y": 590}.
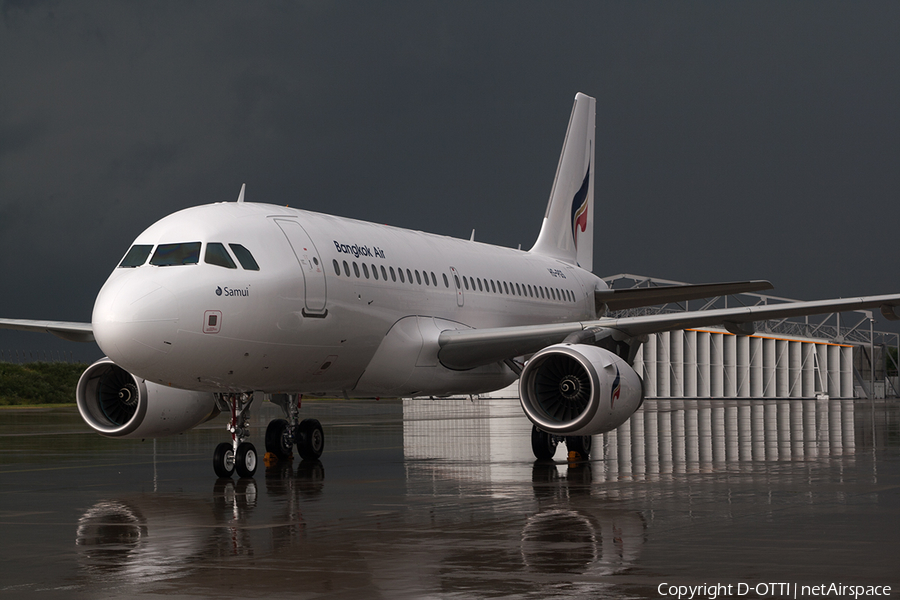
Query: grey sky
{"x": 735, "y": 140}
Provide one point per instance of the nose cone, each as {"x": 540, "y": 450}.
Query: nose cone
{"x": 135, "y": 320}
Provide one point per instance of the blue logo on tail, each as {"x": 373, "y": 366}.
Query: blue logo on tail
{"x": 580, "y": 207}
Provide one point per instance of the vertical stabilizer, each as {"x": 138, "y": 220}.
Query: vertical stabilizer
{"x": 568, "y": 229}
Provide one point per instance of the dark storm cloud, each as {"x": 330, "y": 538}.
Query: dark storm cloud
{"x": 142, "y": 161}
{"x": 734, "y": 139}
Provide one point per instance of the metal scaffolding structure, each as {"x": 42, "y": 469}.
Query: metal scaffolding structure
{"x": 868, "y": 366}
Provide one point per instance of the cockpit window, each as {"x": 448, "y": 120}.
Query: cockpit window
{"x": 216, "y": 254}
{"x": 137, "y": 255}
{"x": 168, "y": 255}
{"x": 244, "y": 257}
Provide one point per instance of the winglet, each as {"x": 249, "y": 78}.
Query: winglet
{"x": 567, "y": 232}
{"x": 241, "y": 195}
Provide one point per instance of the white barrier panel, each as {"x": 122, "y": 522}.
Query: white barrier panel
{"x": 716, "y": 364}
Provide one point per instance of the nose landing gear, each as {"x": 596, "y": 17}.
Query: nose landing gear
{"x": 239, "y": 455}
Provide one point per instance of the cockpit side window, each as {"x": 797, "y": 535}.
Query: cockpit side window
{"x": 216, "y": 254}
{"x": 168, "y": 255}
{"x": 244, "y": 257}
{"x": 136, "y": 256}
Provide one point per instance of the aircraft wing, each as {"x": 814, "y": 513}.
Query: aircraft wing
{"x": 67, "y": 330}
{"x": 468, "y": 348}
{"x": 648, "y": 296}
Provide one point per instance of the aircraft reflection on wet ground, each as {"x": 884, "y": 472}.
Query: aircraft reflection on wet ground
{"x": 440, "y": 498}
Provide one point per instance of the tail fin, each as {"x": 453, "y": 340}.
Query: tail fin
{"x": 568, "y": 229}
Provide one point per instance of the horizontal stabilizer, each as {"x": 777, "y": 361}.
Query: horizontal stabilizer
{"x": 67, "y": 330}
{"x": 648, "y": 296}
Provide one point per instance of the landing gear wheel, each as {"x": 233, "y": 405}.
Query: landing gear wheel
{"x": 245, "y": 460}
{"x": 223, "y": 460}
{"x": 279, "y": 440}
{"x": 580, "y": 444}
{"x": 310, "y": 439}
{"x": 542, "y": 444}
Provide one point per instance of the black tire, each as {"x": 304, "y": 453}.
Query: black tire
{"x": 580, "y": 444}
{"x": 223, "y": 460}
{"x": 542, "y": 444}
{"x": 245, "y": 460}
{"x": 279, "y": 440}
{"x": 310, "y": 439}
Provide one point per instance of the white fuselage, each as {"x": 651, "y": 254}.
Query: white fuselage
{"x": 336, "y": 306}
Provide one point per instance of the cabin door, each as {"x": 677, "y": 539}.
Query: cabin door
{"x": 310, "y": 265}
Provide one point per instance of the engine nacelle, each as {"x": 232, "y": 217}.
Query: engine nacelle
{"x": 115, "y": 403}
{"x": 576, "y": 389}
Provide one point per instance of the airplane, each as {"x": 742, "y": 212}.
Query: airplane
{"x": 213, "y": 303}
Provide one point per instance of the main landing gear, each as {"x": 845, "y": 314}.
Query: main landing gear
{"x": 544, "y": 444}
{"x": 239, "y": 455}
{"x": 281, "y": 435}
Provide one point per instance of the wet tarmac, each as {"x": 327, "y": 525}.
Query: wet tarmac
{"x": 442, "y": 499}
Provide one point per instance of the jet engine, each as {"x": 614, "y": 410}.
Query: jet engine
{"x": 577, "y": 389}
{"x": 115, "y": 403}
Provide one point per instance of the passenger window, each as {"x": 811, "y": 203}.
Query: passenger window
{"x": 393, "y": 275}
{"x": 493, "y": 287}
{"x": 216, "y": 254}
{"x": 402, "y": 280}
{"x": 346, "y": 269}
{"x": 365, "y": 270}
{"x": 244, "y": 257}
{"x": 136, "y": 256}
{"x": 480, "y": 287}
{"x": 337, "y": 267}
{"x": 418, "y": 278}
{"x": 383, "y": 273}
{"x": 446, "y": 282}
{"x": 409, "y": 276}
{"x": 375, "y": 272}
{"x": 456, "y": 279}
{"x": 466, "y": 282}
{"x": 168, "y": 255}
{"x": 356, "y": 270}
{"x": 433, "y": 279}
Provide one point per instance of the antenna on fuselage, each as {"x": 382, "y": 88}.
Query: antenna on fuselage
{"x": 472, "y": 237}
{"x": 241, "y": 195}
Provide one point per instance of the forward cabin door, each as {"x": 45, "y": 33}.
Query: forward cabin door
{"x": 310, "y": 265}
